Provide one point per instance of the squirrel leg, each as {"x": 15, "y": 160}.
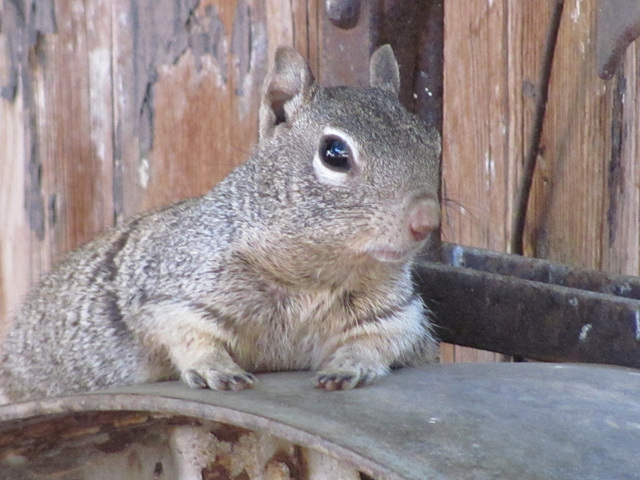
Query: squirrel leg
{"x": 368, "y": 351}
{"x": 196, "y": 347}
{"x": 352, "y": 365}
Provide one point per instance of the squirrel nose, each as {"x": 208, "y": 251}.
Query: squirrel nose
{"x": 424, "y": 217}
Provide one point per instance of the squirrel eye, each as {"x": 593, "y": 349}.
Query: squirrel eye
{"x": 335, "y": 153}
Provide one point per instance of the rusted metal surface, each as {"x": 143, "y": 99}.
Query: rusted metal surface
{"x": 618, "y": 27}
{"x": 525, "y": 421}
{"x": 360, "y": 27}
{"x": 359, "y": 40}
{"x": 343, "y": 13}
{"x": 539, "y": 270}
{"x": 132, "y": 445}
{"x": 533, "y": 308}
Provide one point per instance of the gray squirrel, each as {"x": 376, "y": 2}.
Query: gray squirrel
{"x": 300, "y": 259}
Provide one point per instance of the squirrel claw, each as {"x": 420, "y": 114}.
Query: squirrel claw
{"x": 194, "y": 379}
{"x": 216, "y": 380}
{"x": 341, "y": 380}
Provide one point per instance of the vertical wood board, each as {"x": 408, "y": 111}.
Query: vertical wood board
{"x": 494, "y": 53}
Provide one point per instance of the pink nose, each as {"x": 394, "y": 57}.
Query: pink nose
{"x": 424, "y": 216}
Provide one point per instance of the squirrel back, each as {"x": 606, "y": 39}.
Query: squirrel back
{"x": 300, "y": 259}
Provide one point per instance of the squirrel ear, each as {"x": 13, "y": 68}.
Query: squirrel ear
{"x": 383, "y": 70}
{"x": 288, "y": 86}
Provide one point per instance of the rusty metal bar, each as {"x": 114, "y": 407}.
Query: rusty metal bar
{"x": 539, "y": 270}
{"x": 533, "y": 308}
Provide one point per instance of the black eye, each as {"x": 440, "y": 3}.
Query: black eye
{"x": 335, "y": 153}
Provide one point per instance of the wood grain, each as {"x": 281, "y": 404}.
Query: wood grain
{"x": 585, "y": 208}
{"x": 115, "y": 107}
{"x": 584, "y": 202}
{"x": 54, "y": 172}
{"x": 566, "y": 214}
{"x": 15, "y": 237}
{"x": 492, "y": 59}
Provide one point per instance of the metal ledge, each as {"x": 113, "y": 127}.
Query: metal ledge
{"x": 472, "y": 421}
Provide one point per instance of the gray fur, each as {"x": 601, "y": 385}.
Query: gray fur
{"x": 271, "y": 270}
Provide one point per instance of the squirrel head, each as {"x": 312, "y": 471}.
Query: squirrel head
{"x": 347, "y": 170}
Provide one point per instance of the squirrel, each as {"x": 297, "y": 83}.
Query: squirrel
{"x": 300, "y": 259}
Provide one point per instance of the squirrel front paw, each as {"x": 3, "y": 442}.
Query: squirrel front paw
{"x": 348, "y": 377}
{"x": 197, "y": 352}
{"x": 345, "y": 380}
{"x": 214, "y": 379}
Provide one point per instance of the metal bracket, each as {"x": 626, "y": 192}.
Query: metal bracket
{"x": 618, "y": 27}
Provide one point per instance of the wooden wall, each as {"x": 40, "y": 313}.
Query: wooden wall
{"x": 584, "y": 207}
{"x": 585, "y": 202}
{"x": 110, "y": 107}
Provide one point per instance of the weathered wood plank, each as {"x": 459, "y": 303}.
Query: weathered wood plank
{"x": 586, "y": 199}
{"x": 203, "y": 101}
{"x": 54, "y": 142}
{"x": 621, "y": 232}
{"x": 77, "y": 203}
{"x": 473, "y": 163}
{"x": 492, "y": 58}
{"x": 204, "y": 108}
{"x": 15, "y": 238}
{"x": 15, "y": 232}
{"x": 571, "y": 180}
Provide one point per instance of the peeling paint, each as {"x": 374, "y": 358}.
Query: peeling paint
{"x": 143, "y": 173}
{"x": 34, "y": 199}
{"x": 248, "y": 49}
{"x": 160, "y": 36}
{"x": 100, "y": 78}
{"x": 623, "y": 289}
{"x": 575, "y": 13}
{"x": 208, "y": 43}
{"x": 489, "y": 170}
{"x": 241, "y": 43}
{"x": 457, "y": 256}
{"x": 163, "y": 31}
{"x": 22, "y": 23}
{"x": 584, "y": 332}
